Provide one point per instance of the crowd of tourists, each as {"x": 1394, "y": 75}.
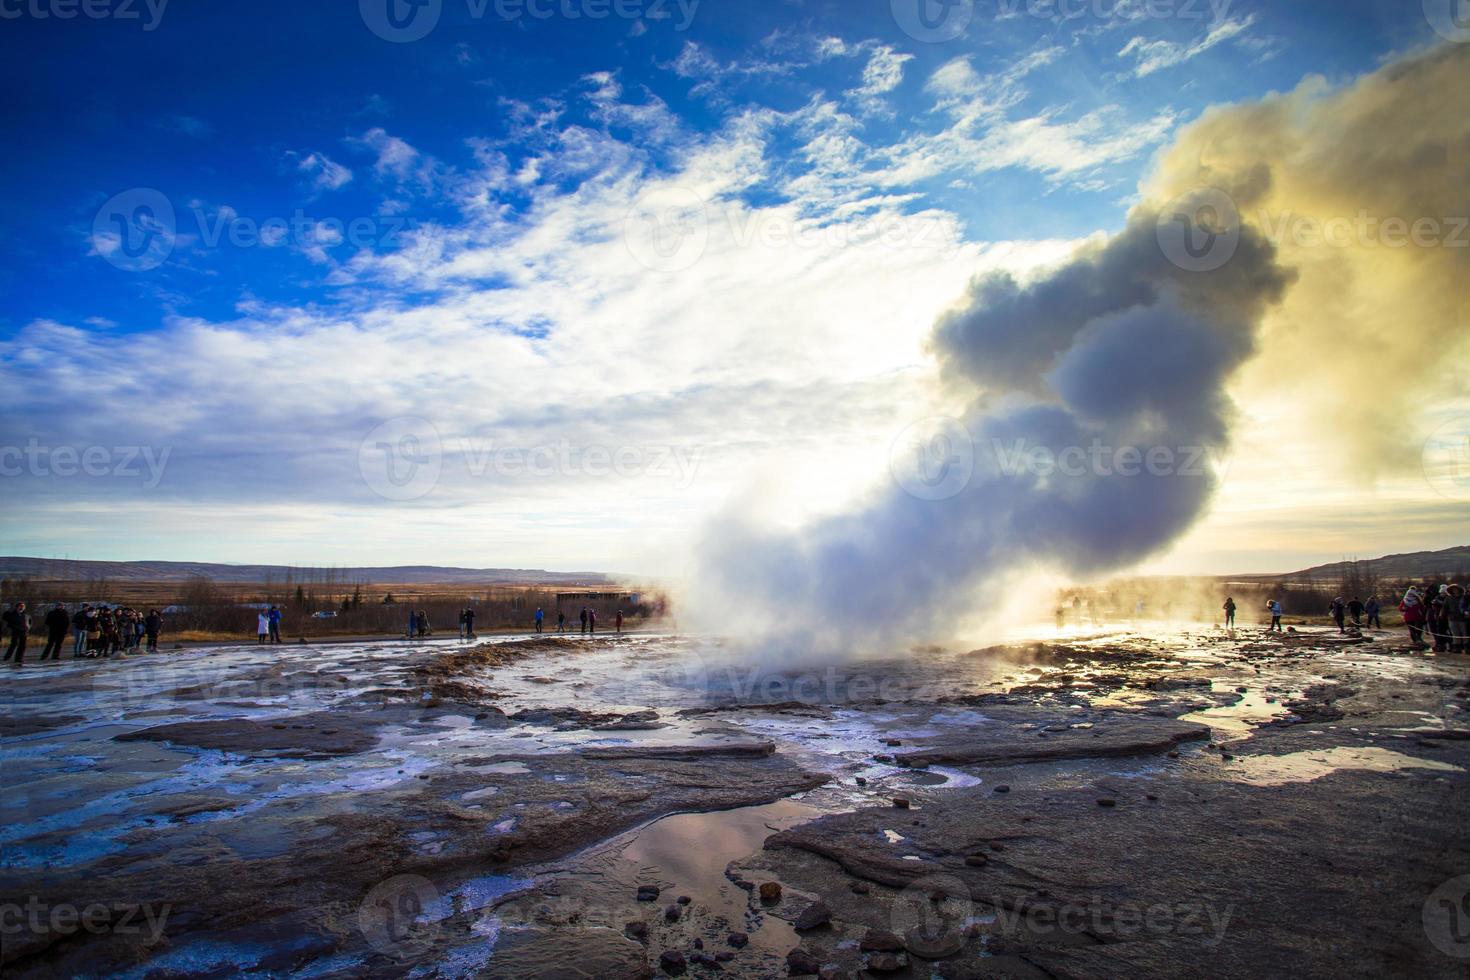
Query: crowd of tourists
{"x": 95, "y": 631}
{"x": 1439, "y": 614}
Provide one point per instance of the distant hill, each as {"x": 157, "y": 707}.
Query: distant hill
{"x": 1415, "y": 565}
{"x": 62, "y": 569}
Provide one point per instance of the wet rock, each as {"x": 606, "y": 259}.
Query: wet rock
{"x": 705, "y": 960}
{"x": 648, "y": 893}
{"x": 770, "y": 891}
{"x": 683, "y": 900}
{"x": 800, "y": 963}
{"x": 738, "y": 939}
{"x": 724, "y": 956}
{"x": 671, "y": 914}
{"x": 878, "y": 941}
{"x": 1111, "y": 736}
{"x": 1002, "y": 789}
{"x": 860, "y": 888}
{"x": 892, "y": 742}
{"x": 814, "y": 915}
{"x": 698, "y": 943}
{"x": 901, "y": 802}
{"x": 243, "y": 736}
{"x": 976, "y": 860}
{"x": 861, "y": 781}
{"x": 886, "y": 963}
{"x": 1106, "y": 801}
{"x": 672, "y": 962}
{"x": 636, "y": 930}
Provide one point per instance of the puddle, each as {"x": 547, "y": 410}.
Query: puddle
{"x": 1235, "y": 721}
{"x": 1301, "y": 767}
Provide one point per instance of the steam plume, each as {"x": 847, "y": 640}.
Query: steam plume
{"x": 1133, "y": 342}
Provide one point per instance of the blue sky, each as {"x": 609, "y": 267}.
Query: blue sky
{"x": 366, "y": 230}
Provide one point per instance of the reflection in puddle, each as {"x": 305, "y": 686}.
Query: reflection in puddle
{"x": 1301, "y": 767}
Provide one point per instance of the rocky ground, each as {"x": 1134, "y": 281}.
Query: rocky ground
{"x": 1143, "y": 801}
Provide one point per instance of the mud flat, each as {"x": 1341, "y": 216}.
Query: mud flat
{"x": 1132, "y": 801}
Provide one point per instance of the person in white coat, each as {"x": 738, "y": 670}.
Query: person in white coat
{"x": 263, "y": 627}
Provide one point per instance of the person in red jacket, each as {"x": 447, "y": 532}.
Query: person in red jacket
{"x": 1413, "y": 610}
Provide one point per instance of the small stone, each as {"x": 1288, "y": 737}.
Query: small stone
{"x": 672, "y": 962}
{"x": 977, "y": 860}
{"x": 724, "y": 956}
{"x": 882, "y": 758}
{"x": 996, "y": 847}
{"x": 770, "y": 891}
{"x": 683, "y": 900}
{"x": 892, "y": 742}
{"x": 698, "y": 943}
{"x": 738, "y": 939}
{"x": 1173, "y": 755}
{"x": 800, "y": 963}
{"x": 1151, "y": 797}
{"x": 861, "y": 781}
{"x": 1002, "y": 789}
{"x": 860, "y": 888}
{"x": 831, "y": 973}
{"x": 671, "y": 914}
{"x": 877, "y": 941}
{"x": 901, "y": 802}
{"x": 636, "y": 930}
{"x": 886, "y": 963}
{"x": 647, "y": 893}
{"x": 1105, "y": 801}
{"x": 814, "y": 915}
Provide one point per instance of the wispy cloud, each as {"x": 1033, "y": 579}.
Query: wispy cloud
{"x": 1152, "y": 56}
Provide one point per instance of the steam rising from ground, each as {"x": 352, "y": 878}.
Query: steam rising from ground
{"x": 1133, "y": 342}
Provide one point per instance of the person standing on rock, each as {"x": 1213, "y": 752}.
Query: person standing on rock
{"x": 592, "y": 621}
{"x": 461, "y": 624}
{"x": 619, "y": 621}
{"x": 1229, "y": 608}
{"x": 561, "y": 621}
{"x": 274, "y": 618}
{"x": 1338, "y": 610}
{"x": 1455, "y": 617}
{"x": 57, "y": 623}
{"x": 79, "y": 631}
{"x": 152, "y": 627}
{"x": 18, "y": 621}
{"x": 1412, "y": 608}
{"x": 262, "y": 628}
{"x": 584, "y": 620}
{"x": 1275, "y": 606}
{"x": 469, "y": 624}
{"x": 1370, "y": 608}
{"x": 540, "y": 618}
{"x": 1355, "y": 610}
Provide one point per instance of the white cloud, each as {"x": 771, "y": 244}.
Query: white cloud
{"x": 1152, "y": 56}
{"x": 325, "y": 173}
